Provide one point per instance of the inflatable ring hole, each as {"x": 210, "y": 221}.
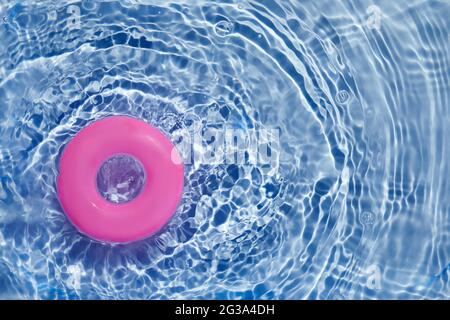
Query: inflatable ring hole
{"x": 120, "y": 178}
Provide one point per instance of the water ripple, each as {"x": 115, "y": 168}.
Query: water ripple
{"x": 357, "y": 207}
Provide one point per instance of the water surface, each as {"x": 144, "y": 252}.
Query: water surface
{"x": 357, "y": 207}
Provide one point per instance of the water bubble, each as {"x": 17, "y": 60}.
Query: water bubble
{"x": 89, "y": 4}
{"x": 342, "y": 97}
{"x": 52, "y": 15}
{"x": 367, "y": 218}
{"x": 223, "y": 28}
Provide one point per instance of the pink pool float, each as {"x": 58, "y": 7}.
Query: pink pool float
{"x": 120, "y": 179}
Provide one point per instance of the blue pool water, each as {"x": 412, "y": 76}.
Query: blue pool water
{"x": 357, "y": 206}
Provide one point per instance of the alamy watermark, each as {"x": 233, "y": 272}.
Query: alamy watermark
{"x": 214, "y": 146}
{"x": 374, "y": 19}
{"x": 74, "y": 20}
{"x": 373, "y": 277}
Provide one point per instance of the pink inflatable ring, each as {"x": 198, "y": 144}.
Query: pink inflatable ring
{"x": 120, "y": 180}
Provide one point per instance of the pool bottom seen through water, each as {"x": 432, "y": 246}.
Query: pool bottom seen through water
{"x": 121, "y": 178}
